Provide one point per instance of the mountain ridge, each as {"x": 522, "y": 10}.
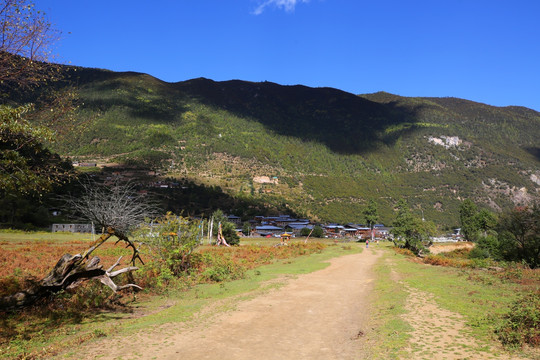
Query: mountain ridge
{"x": 331, "y": 150}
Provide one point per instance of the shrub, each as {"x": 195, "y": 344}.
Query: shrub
{"x": 487, "y": 246}
{"x": 157, "y": 277}
{"x": 172, "y": 241}
{"x": 479, "y": 253}
{"x": 521, "y": 325}
{"x": 441, "y": 260}
{"x": 218, "y": 268}
{"x": 403, "y": 251}
{"x": 91, "y": 295}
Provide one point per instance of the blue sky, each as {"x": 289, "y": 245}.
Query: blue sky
{"x": 485, "y": 51}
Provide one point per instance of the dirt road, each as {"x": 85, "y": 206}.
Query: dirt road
{"x": 314, "y": 316}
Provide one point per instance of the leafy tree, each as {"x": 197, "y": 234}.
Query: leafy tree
{"x": 228, "y": 228}
{"x": 475, "y": 223}
{"x": 305, "y": 231}
{"x": 519, "y": 235}
{"x": 371, "y": 215}
{"x": 485, "y": 221}
{"x": 26, "y": 165}
{"x": 468, "y": 219}
{"x": 318, "y": 232}
{"x": 413, "y": 231}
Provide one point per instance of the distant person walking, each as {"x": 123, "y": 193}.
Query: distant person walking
{"x": 367, "y": 243}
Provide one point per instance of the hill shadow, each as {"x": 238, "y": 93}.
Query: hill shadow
{"x": 534, "y": 151}
{"x": 150, "y": 100}
{"x": 199, "y": 200}
{"x": 344, "y": 122}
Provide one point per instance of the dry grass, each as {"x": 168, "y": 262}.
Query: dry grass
{"x": 30, "y": 256}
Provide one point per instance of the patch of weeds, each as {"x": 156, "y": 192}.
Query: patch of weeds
{"x": 97, "y": 333}
{"x": 521, "y": 325}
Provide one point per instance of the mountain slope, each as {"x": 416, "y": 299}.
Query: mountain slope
{"x": 325, "y": 152}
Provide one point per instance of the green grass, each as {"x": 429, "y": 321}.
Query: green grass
{"x": 480, "y": 298}
{"x": 467, "y": 292}
{"x": 23, "y": 236}
{"x": 388, "y": 299}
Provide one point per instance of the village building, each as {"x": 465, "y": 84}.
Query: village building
{"x": 265, "y": 230}
{"x": 380, "y": 231}
{"x": 74, "y": 228}
{"x": 234, "y": 219}
{"x": 296, "y": 227}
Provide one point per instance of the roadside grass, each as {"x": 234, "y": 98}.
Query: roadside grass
{"x": 387, "y": 307}
{"x": 46, "y": 331}
{"x": 482, "y": 297}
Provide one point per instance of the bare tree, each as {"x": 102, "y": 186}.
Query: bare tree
{"x": 118, "y": 211}
{"x": 25, "y": 39}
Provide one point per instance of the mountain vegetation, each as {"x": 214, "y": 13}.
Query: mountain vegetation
{"x": 314, "y": 152}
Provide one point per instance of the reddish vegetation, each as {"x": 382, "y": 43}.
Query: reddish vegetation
{"x": 444, "y": 261}
{"x": 252, "y": 256}
{"x": 26, "y": 259}
{"x": 34, "y": 259}
{"x": 458, "y": 257}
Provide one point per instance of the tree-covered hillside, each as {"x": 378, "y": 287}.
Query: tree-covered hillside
{"x": 318, "y": 152}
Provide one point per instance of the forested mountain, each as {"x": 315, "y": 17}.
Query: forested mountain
{"x": 316, "y": 152}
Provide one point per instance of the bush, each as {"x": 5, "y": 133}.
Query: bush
{"x": 486, "y": 247}
{"x": 91, "y": 295}
{"x": 441, "y": 260}
{"x": 521, "y": 325}
{"x": 479, "y": 253}
{"x": 172, "y": 240}
{"x": 218, "y": 268}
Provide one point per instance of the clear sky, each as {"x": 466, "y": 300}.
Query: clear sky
{"x": 481, "y": 50}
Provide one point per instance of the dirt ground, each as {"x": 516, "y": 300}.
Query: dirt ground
{"x": 441, "y": 248}
{"x": 314, "y": 316}
{"x": 321, "y": 315}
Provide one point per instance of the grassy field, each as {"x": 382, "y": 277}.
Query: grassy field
{"x": 477, "y": 298}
